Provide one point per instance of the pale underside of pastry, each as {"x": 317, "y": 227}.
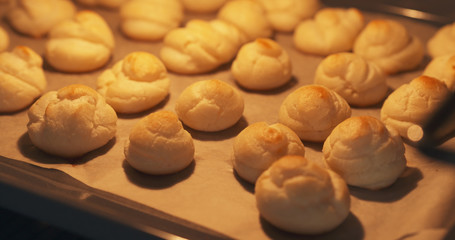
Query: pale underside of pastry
{"x": 209, "y": 105}
{"x": 358, "y": 81}
{"x": 413, "y": 103}
{"x": 22, "y": 78}
{"x": 103, "y": 3}
{"x": 36, "y": 18}
{"x": 331, "y": 31}
{"x": 312, "y": 111}
{"x": 150, "y": 20}
{"x": 4, "y": 40}
{"x": 389, "y": 44}
{"x": 82, "y": 44}
{"x": 443, "y": 69}
{"x": 298, "y": 196}
{"x": 442, "y": 42}
{"x": 158, "y": 144}
{"x": 134, "y": 84}
{"x": 262, "y": 65}
{"x": 203, "y": 6}
{"x": 365, "y": 153}
{"x": 259, "y": 145}
{"x": 71, "y": 122}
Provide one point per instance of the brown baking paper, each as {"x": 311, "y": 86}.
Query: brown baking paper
{"x": 208, "y": 192}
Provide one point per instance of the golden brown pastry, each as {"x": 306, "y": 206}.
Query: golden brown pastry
{"x": 259, "y": 145}
{"x": 209, "y": 105}
{"x": 298, "y": 196}
{"x": 4, "y": 40}
{"x": 134, "y": 84}
{"x": 71, "y": 122}
{"x": 203, "y": 6}
{"x": 365, "y": 153}
{"x": 358, "y": 81}
{"x": 22, "y": 78}
{"x": 158, "y": 144}
{"x": 313, "y": 111}
{"x": 103, "y": 3}
{"x": 443, "y": 41}
{"x": 443, "y": 69}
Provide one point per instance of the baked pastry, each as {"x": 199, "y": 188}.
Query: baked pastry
{"x": 248, "y": 16}
{"x": 298, "y": 196}
{"x": 365, "y": 153}
{"x": 389, "y": 44}
{"x": 203, "y": 6}
{"x": 331, "y": 31}
{"x": 413, "y": 103}
{"x": 134, "y": 84}
{"x": 259, "y": 145}
{"x": 262, "y": 65}
{"x": 4, "y": 39}
{"x": 442, "y": 42}
{"x": 313, "y": 111}
{"x": 158, "y": 144}
{"x": 22, "y": 78}
{"x": 35, "y": 18}
{"x": 82, "y": 44}
{"x": 442, "y": 68}
{"x": 209, "y": 105}
{"x": 71, "y": 122}
{"x": 103, "y": 3}
{"x": 150, "y": 20}
{"x": 360, "y": 82}
{"x": 200, "y": 46}
{"x": 284, "y": 15}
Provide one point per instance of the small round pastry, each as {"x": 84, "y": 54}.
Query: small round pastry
{"x": 365, "y": 153}
{"x": 134, "y": 84}
{"x": 82, "y": 44}
{"x": 4, "y": 40}
{"x": 443, "y": 69}
{"x": 259, "y": 145}
{"x": 203, "y": 6}
{"x": 71, "y": 122}
{"x": 248, "y": 16}
{"x": 22, "y": 78}
{"x": 103, "y": 3}
{"x": 388, "y": 44}
{"x": 36, "y": 18}
{"x": 158, "y": 144}
{"x": 209, "y": 105}
{"x": 442, "y": 42}
{"x": 298, "y": 196}
{"x": 331, "y": 31}
{"x": 411, "y": 104}
{"x": 201, "y": 46}
{"x": 313, "y": 111}
{"x": 150, "y": 20}
{"x": 360, "y": 82}
{"x": 284, "y": 15}
{"x": 262, "y": 65}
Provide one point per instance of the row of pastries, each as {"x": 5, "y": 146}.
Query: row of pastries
{"x": 292, "y": 192}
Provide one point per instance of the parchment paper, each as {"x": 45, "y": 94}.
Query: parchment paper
{"x": 208, "y": 192}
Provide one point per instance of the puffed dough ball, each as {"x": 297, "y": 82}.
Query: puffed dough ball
{"x": 365, "y": 153}
{"x": 259, "y": 145}
{"x": 284, "y": 15}
{"x": 298, "y": 196}
{"x": 71, "y": 122}
{"x": 313, "y": 111}
{"x": 203, "y": 6}
{"x": 413, "y": 103}
{"x": 359, "y": 82}
{"x": 443, "y": 69}
{"x": 442, "y": 42}
{"x": 200, "y": 46}
{"x": 262, "y": 65}
{"x": 4, "y": 39}
{"x": 36, "y": 18}
{"x": 158, "y": 144}
{"x": 209, "y": 105}
{"x": 103, "y": 3}
{"x": 82, "y": 44}
{"x": 22, "y": 78}
{"x": 388, "y": 44}
{"x": 248, "y": 16}
{"x": 332, "y": 30}
{"x": 150, "y": 19}
{"x": 134, "y": 84}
